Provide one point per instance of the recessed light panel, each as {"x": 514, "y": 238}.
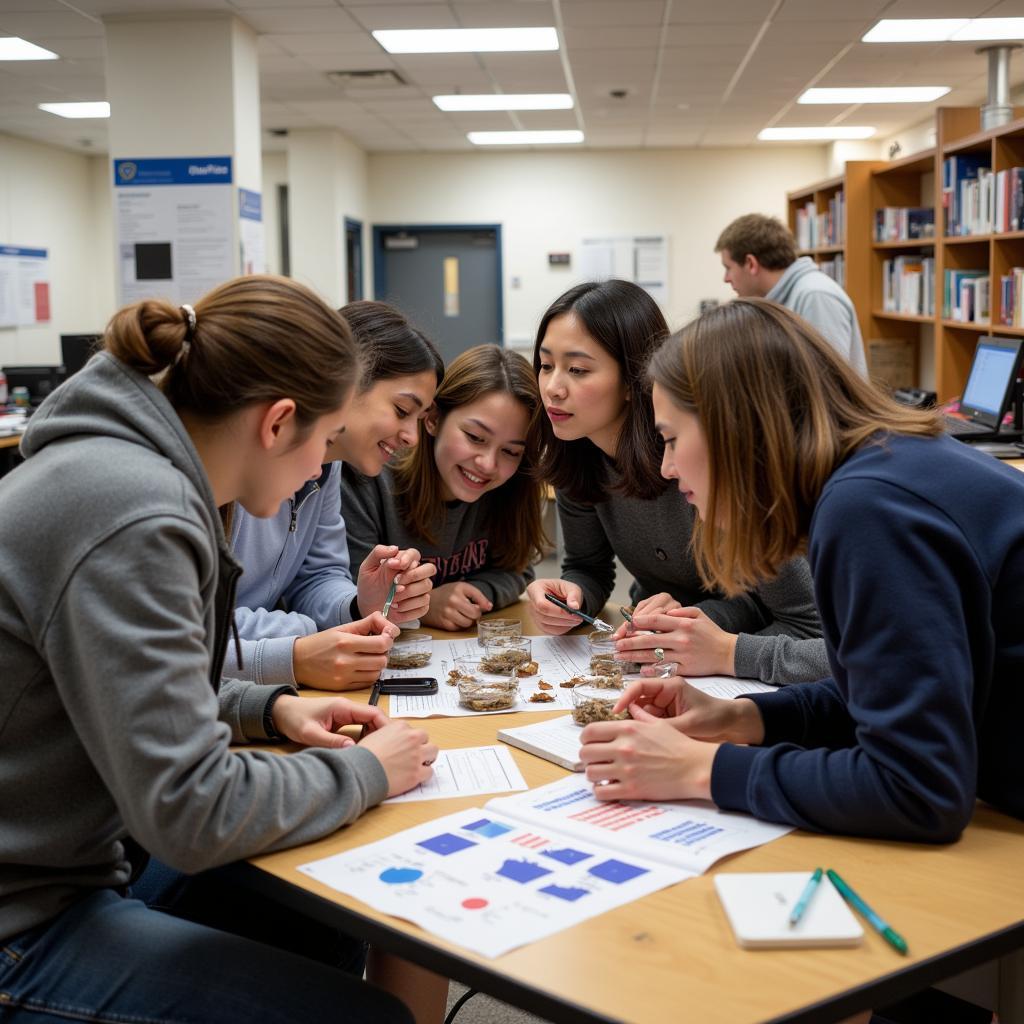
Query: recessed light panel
{"x": 550, "y": 138}
{"x": 823, "y": 134}
{"x": 883, "y": 94}
{"x": 16, "y": 48}
{"x": 77, "y": 109}
{"x": 507, "y": 101}
{"x": 466, "y": 40}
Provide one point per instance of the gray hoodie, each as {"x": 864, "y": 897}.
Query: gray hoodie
{"x": 116, "y": 590}
{"x": 805, "y": 290}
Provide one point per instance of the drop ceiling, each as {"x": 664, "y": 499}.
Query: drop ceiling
{"x": 709, "y": 73}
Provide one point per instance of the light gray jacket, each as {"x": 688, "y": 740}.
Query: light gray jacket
{"x": 116, "y": 591}
{"x": 804, "y": 289}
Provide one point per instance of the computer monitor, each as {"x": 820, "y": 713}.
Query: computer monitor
{"x": 990, "y": 384}
{"x": 77, "y": 349}
{"x": 40, "y": 380}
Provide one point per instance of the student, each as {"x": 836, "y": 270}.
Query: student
{"x": 116, "y": 597}
{"x": 916, "y": 545}
{"x": 467, "y": 496}
{"x": 330, "y": 633}
{"x": 602, "y": 455}
{"x": 759, "y": 256}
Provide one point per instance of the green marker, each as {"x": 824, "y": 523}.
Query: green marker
{"x": 882, "y": 927}
{"x": 805, "y": 897}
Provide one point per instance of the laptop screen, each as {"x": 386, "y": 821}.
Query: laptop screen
{"x": 992, "y": 375}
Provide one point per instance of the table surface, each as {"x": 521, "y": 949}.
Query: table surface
{"x": 10, "y": 441}
{"x": 957, "y": 905}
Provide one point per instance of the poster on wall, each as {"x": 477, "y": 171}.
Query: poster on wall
{"x": 24, "y": 286}
{"x": 251, "y": 239}
{"x": 175, "y": 226}
{"x": 642, "y": 259}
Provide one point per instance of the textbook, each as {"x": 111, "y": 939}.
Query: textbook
{"x": 524, "y": 867}
{"x": 758, "y": 906}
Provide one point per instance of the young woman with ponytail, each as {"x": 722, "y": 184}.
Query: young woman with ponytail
{"x": 116, "y": 595}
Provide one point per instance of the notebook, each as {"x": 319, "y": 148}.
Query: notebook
{"x": 989, "y": 389}
{"x": 758, "y": 906}
{"x": 557, "y": 740}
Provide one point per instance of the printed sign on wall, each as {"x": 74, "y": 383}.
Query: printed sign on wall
{"x": 24, "y": 286}
{"x": 174, "y": 226}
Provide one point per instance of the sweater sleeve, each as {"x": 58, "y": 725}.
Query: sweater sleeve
{"x": 589, "y": 560}
{"x": 128, "y": 656}
{"x": 323, "y": 587}
{"x": 893, "y": 745}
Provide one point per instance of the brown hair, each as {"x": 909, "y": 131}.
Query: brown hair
{"x": 766, "y": 238}
{"x": 513, "y": 510}
{"x": 780, "y": 411}
{"x": 255, "y": 339}
{"x": 627, "y": 323}
{"x": 389, "y": 346}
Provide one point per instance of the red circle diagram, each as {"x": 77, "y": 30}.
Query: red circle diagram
{"x": 474, "y": 903}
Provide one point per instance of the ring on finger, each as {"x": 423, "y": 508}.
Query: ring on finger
{"x": 659, "y": 653}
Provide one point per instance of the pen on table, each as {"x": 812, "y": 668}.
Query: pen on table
{"x": 597, "y": 623}
{"x": 805, "y": 897}
{"x": 882, "y": 927}
{"x": 374, "y": 697}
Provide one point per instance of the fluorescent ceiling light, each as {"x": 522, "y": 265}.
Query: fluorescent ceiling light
{"x": 101, "y": 109}
{"x": 940, "y": 30}
{"x": 991, "y": 28}
{"x": 886, "y": 94}
{"x": 821, "y": 134}
{"x": 524, "y": 138}
{"x": 507, "y": 101}
{"x": 466, "y": 40}
{"x": 16, "y": 48}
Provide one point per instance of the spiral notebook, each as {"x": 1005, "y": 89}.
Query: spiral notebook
{"x": 758, "y": 906}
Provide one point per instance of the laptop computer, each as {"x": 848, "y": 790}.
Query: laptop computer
{"x": 989, "y": 389}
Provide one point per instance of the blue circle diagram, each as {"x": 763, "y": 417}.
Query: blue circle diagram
{"x": 400, "y": 876}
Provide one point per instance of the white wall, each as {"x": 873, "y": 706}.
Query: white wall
{"x": 275, "y": 173}
{"x": 548, "y": 201}
{"x": 49, "y": 198}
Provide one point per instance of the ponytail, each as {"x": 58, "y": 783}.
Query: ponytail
{"x": 252, "y": 339}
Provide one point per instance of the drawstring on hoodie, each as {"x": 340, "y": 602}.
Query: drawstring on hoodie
{"x": 238, "y": 642}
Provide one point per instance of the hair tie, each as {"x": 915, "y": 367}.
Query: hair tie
{"x": 190, "y": 331}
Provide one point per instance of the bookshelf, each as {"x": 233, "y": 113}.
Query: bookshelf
{"x": 942, "y": 348}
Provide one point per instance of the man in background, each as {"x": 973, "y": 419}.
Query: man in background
{"x": 760, "y": 261}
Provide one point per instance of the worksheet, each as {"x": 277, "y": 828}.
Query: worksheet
{"x": 527, "y": 866}
{"x": 468, "y": 771}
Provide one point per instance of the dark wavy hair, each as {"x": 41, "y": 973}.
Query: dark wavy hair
{"x": 627, "y": 323}
{"x": 389, "y": 346}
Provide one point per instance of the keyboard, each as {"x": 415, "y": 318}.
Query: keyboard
{"x": 966, "y": 428}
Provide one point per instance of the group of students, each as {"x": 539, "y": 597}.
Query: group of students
{"x": 781, "y": 518}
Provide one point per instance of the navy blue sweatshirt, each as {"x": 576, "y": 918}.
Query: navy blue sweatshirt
{"x": 917, "y": 552}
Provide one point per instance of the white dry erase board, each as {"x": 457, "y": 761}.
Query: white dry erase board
{"x": 758, "y": 905}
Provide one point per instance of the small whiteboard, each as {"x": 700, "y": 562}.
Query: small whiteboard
{"x": 642, "y": 259}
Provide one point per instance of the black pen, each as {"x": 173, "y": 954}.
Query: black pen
{"x": 374, "y": 697}
{"x": 598, "y": 623}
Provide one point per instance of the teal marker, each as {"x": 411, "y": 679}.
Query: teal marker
{"x": 805, "y": 897}
{"x": 882, "y": 927}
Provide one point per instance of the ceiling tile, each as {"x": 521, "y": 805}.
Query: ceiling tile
{"x": 612, "y": 12}
{"x": 327, "y": 42}
{"x": 532, "y": 14}
{"x": 383, "y": 16}
{"x": 300, "y": 19}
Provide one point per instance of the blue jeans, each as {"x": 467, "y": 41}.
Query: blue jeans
{"x": 162, "y": 956}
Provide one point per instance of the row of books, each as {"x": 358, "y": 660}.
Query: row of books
{"x": 1011, "y": 298}
{"x": 967, "y": 194}
{"x": 1009, "y": 212}
{"x": 908, "y": 285}
{"x": 835, "y": 268}
{"x": 965, "y": 296}
{"x": 904, "y": 223}
{"x": 815, "y": 229}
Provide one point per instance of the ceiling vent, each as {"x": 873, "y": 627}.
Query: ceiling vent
{"x": 384, "y": 79}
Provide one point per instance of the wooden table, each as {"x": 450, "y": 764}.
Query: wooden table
{"x": 10, "y": 441}
{"x": 671, "y": 956}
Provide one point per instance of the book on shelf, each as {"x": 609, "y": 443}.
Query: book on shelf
{"x": 1009, "y": 210}
{"x": 965, "y": 194}
{"x": 1011, "y": 298}
{"x": 835, "y": 268}
{"x": 814, "y": 229}
{"x": 904, "y": 223}
{"x": 954, "y": 296}
{"x": 908, "y": 285}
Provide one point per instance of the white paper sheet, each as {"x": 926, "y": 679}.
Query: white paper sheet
{"x": 468, "y": 771}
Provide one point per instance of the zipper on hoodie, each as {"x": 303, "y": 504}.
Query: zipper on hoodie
{"x": 293, "y": 523}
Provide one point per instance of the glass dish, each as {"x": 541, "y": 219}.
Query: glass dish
{"x": 503, "y": 654}
{"x": 488, "y": 629}
{"x": 595, "y": 703}
{"x": 480, "y": 690}
{"x": 602, "y": 655}
{"x": 411, "y": 650}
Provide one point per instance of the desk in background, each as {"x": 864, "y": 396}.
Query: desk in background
{"x": 9, "y": 456}
{"x": 672, "y": 955}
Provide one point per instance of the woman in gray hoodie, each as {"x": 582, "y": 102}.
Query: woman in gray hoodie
{"x": 116, "y": 593}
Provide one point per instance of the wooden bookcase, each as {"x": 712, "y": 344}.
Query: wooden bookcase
{"x": 944, "y": 348}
